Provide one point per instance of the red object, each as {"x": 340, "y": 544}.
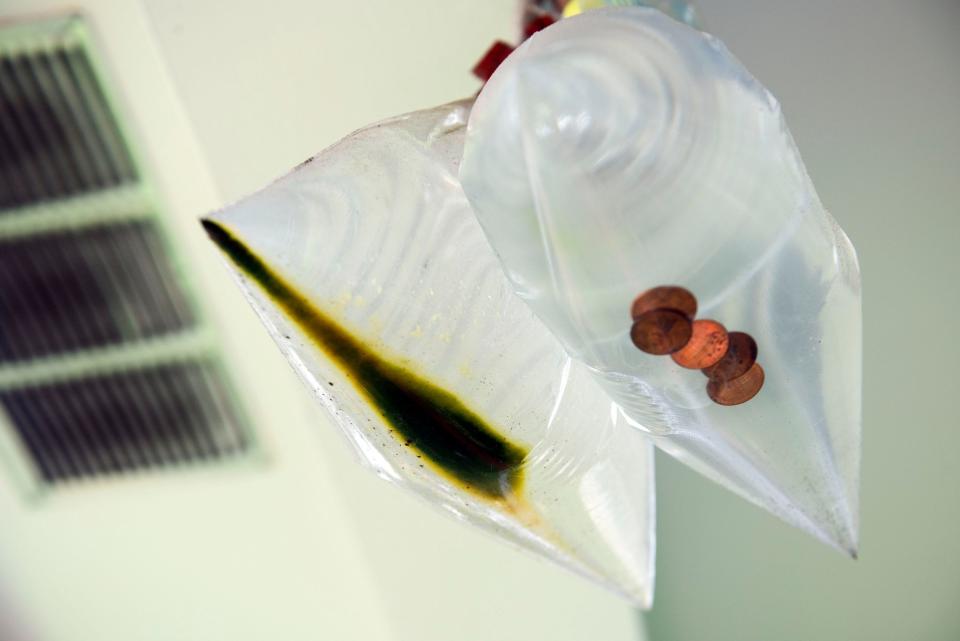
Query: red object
{"x": 661, "y": 331}
{"x": 668, "y": 296}
{"x": 496, "y": 54}
{"x": 739, "y": 390}
{"x": 536, "y": 24}
{"x": 740, "y": 357}
{"x": 707, "y": 345}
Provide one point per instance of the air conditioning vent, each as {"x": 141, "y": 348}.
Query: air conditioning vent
{"x": 58, "y": 136}
{"x": 87, "y": 288}
{"x": 125, "y": 421}
{"x": 107, "y": 365}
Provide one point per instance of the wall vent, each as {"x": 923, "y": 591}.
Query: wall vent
{"x": 121, "y": 421}
{"x": 107, "y": 365}
{"x": 70, "y": 290}
{"x": 58, "y": 134}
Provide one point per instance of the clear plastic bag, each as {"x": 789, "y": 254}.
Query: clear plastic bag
{"x": 371, "y": 272}
{"x": 620, "y": 150}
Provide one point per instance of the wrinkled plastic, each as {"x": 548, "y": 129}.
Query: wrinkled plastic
{"x": 620, "y": 150}
{"x": 376, "y": 234}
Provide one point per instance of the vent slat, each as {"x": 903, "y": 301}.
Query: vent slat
{"x": 115, "y": 423}
{"x": 24, "y": 331}
{"x": 91, "y": 309}
{"x": 91, "y": 149}
{"x": 226, "y": 440}
{"x": 183, "y": 421}
{"x": 185, "y": 440}
{"x": 9, "y": 184}
{"x": 98, "y": 286}
{"x": 154, "y": 424}
{"x": 148, "y": 390}
{"x": 13, "y": 166}
{"x": 54, "y": 405}
{"x": 58, "y": 135}
{"x": 26, "y": 110}
{"x": 122, "y": 301}
{"x": 206, "y": 419}
{"x": 71, "y": 139}
{"x": 126, "y": 426}
{"x": 90, "y": 115}
{"x": 88, "y": 430}
{"x": 173, "y": 309}
{"x": 46, "y": 464}
{"x": 186, "y": 418}
{"x": 57, "y": 326}
{"x": 121, "y": 163}
{"x": 48, "y": 131}
{"x": 25, "y": 162}
{"x": 142, "y": 283}
{"x": 41, "y": 411}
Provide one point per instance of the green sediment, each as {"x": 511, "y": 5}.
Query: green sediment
{"x": 449, "y": 436}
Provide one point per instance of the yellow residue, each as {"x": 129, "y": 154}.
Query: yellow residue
{"x": 579, "y": 6}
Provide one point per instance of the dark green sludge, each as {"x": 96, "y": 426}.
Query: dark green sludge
{"x": 426, "y": 417}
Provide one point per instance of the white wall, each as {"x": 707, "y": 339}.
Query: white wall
{"x": 305, "y": 545}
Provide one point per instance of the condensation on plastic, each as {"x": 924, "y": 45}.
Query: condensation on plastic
{"x": 377, "y": 233}
{"x": 619, "y": 150}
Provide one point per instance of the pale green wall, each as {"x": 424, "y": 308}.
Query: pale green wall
{"x": 871, "y": 90}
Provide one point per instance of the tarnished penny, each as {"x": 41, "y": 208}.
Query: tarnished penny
{"x": 661, "y": 331}
{"x": 666, "y": 297}
{"x": 740, "y": 357}
{"x": 707, "y": 345}
{"x": 739, "y": 390}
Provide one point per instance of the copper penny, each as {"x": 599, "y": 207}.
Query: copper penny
{"x": 661, "y": 331}
{"x": 707, "y": 345}
{"x": 739, "y": 390}
{"x": 666, "y": 297}
{"x": 740, "y": 357}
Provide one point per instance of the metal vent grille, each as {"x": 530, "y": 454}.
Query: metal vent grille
{"x": 125, "y": 421}
{"x": 88, "y": 288}
{"x": 58, "y": 136}
{"x": 106, "y": 363}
